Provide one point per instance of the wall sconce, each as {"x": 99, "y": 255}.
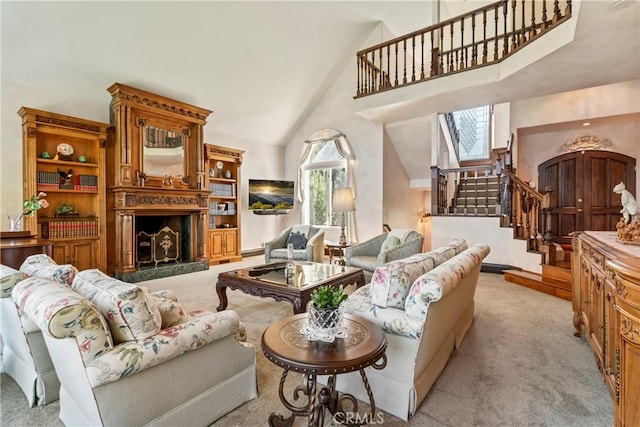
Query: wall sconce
{"x": 424, "y": 216}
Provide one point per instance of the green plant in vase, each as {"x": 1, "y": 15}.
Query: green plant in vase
{"x": 328, "y": 296}
{"x": 324, "y": 313}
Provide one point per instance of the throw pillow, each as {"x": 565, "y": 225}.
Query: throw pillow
{"x": 171, "y": 312}
{"x": 9, "y": 277}
{"x": 391, "y": 282}
{"x": 130, "y": 311}
{"x": 389, "y": 243}
{"x": 42, "y": 266}
{"x": 298, "y": 240}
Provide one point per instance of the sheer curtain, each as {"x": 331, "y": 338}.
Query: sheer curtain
{"x": 342, "y": 146}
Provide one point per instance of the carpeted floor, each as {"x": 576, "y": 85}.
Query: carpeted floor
{"x": 519, "y": 364}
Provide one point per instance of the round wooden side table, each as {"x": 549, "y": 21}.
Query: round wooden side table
{"x": 364, "y": 345}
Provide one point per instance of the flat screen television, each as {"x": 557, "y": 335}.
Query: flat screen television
{"x": 267, "y": 195}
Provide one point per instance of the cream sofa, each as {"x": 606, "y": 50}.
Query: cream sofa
{"x": 424, "y": 304}
{"x": 126, "y": 357}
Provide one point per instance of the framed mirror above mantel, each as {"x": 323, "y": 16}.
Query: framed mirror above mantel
{"x": 155, "y": 161}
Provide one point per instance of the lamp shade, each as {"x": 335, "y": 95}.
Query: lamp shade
{"x": 343, "y": 200}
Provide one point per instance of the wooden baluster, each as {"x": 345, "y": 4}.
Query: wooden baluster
{"x": 533, "y": 31}
{"x": 462, "y": 57}
{"x": 445, "y": 201}
{"x": 396, "y": 79}
{"x": 513, "y": 25}
{"x": 358, "y": 71}
{"x": 404, "y": 62}
{"x": 466, "y": 191}
{"x": 474, "y": 48}
{"x": 475, "y": 192}
{"x": 451, "y": 64}
{"x": 567, "y": 8}
{"x": 496, "y": 12}
{"x": 556, "y": 11}
{"x": 484, "y": 36}
{"x": 505, "y": 18}
{"x": 381, "y": 74}
{"x": 413, "y": 58}
{"x": 486, "y": 195}
{"x": 440, "y": 46}
{"x": 387, "y": 79}
{"x": 523, "y": 31}
{"x": 422, "y": 54}
{"x": 545, "y": 22}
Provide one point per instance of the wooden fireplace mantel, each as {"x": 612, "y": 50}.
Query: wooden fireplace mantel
{"x": 155, "y": 161}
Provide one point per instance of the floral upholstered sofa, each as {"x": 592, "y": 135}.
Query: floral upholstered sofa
{"x": 424, "y": 304}
{"x": 126, "y": 357}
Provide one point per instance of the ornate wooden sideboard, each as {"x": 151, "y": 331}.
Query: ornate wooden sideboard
{"x": 606, "y": 302}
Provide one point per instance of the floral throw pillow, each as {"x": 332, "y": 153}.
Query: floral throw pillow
{"x": 130, "y": 310}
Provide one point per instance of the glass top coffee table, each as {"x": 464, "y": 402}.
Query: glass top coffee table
{"x": 291, "y": 282}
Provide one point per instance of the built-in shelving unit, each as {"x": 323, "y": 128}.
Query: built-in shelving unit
{"x": 223, "y": 166}
{"x": 64, "y": 157}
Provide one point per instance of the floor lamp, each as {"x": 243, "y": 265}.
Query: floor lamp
{"x": 343, "y": 202}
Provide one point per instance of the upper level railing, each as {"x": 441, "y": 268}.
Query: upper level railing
{"x": 481, "y": 37}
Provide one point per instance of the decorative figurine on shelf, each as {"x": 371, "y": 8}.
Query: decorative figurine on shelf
{"x": 629, "y": 205}
{"x": 167, "y": 181}
{"x": 227, "y": 174}
{"x": 64, "y": 152}
{"x": 65, "y": 179}
{"x": 45, "y": 155}
{"x": 82, "y": 159}
{"x": 628, "y": 228}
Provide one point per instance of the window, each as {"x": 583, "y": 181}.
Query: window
{"x": 474, "y": 130}
{"x": 324, "y": 167}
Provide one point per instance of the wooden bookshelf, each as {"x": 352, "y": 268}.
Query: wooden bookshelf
{"x": 78, "y": 179}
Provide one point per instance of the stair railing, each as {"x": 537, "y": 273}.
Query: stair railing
{"x": 519, "y": 205}
{"x": 483, "y": 36}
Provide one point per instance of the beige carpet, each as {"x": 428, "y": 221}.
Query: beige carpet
{"x": 519, "y": 364}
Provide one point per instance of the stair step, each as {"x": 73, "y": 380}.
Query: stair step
{"x": 480, "y": 193}
{"x": 535, "y": 281}
{"x": 473, "y": 210}
{"x": 556, "y": 272}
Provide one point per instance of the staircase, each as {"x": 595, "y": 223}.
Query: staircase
{"x": 478, "y": 195}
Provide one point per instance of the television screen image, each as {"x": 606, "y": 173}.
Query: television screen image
{"x": 267, "y": 194}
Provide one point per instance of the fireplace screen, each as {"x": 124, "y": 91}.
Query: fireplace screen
{"x": 163, "y": 246}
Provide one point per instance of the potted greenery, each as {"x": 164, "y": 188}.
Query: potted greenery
{"x": 324, "y": 314}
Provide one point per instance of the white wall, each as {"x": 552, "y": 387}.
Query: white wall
{"x": 401, "y": 205}
{"x": 580, "y": 105}
{"x": 260, "y": 161}
{"x": 504, "y": 248}
{"x": 335, "y": 110}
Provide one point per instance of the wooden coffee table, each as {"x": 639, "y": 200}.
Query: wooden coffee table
{"x": 295, "y": 285}
{"x": 364, "y": 345}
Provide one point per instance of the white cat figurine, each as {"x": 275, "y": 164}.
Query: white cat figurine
{"x": 629, "y": 205}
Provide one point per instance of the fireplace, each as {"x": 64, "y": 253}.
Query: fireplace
{"x": 157, "y": 203}
{"x": 162, "y": 240}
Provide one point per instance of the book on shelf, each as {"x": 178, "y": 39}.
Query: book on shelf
{"x": 76, "y": 228}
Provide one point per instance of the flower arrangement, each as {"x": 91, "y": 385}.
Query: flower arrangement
{"x": 30, "y": 206}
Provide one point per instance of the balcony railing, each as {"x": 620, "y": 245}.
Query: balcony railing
{"x": 481, "y": 37}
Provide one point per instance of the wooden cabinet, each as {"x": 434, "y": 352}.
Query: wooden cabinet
{"x": 606, "y": 302}
{"x": 64, "y": 157}
{"x": 82, "y": 254}
{"x": 223, "y": 169}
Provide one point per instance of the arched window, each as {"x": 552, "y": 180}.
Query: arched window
{"x": 326, "y": 164}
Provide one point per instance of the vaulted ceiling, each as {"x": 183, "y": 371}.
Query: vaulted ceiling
{"x": 260, "y": 65}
